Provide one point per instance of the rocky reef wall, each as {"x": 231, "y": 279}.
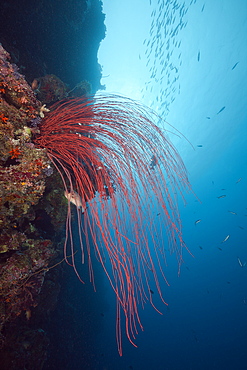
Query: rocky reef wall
{"x": 48, "y": 52}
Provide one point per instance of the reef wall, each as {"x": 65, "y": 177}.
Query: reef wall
{"x": 48, "y": 52}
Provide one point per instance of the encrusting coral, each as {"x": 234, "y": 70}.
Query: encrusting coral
{"x": 31, "y": 204}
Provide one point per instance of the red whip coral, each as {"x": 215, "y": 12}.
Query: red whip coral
{"x": 120, "y": 164}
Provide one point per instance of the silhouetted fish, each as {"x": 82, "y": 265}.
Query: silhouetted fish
{"x": 235, "y": 65}
{"x": 154, "y": 162}
{"x": 221, "y": 110}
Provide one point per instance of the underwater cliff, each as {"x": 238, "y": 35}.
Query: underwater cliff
{"x": 48, "y": 52}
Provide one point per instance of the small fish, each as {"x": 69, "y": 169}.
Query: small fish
{"x": 242, "y": 228}
{"x": 240, "y": 263}
{"x": 221, "y": 196}
{"x": 154, "y": 162}
{"x": 226, "y": 238}
{"x": 235, "y": 65}
{"x": 199, "y": 146}
{"x": 197, "y": 221}
{"x": 233, "y": 213}
{"x": 74, "y": 198}
{"x": 239, "y": 180}
{"x": 200, "y": 247}
{"x": 221, "y": 110}
{"x": 220, "y": 248}
{"x": 208, "y": 117}
{"x": 198, "y": 56}
{"x": 151, "y": 291}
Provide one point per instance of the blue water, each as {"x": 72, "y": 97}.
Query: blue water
{"x": 205, "y": 324}
{"x": 202, "y": 92}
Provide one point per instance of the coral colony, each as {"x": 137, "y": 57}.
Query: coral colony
{"x": 116, "y": 166}
{"x": 114, "y": 160}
